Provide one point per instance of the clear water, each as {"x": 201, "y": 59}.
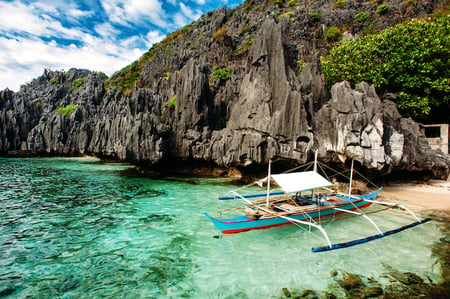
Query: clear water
{"x": 74, "y": 228}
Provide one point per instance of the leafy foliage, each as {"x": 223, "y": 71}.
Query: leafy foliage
{"x": 77, "y": 83}
{"x": 54, "y": 80}
{"x": 362, "y": 16}
{"x": 221, "y": 73}
{"x": 340, "y": 3}
{"x": 129, "y": 76}
{"x": 411, "y": 59}
{"x": 333, "y": 33}
{"x": 288, "y": 14}
{"x": 170, "y": 105}
{"x": 315, "y": 16}
{"x": 382, "y": 9}
{"x": 67, "y": 110}
{"x": 246, "y": 45}
{"x": 292, "y": 2}
{"x": 173, "y": 101}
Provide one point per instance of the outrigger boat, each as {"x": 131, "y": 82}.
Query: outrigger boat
{"x": 304, "y": 200}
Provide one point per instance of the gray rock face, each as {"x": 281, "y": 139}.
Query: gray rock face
{"x": 273, "y": 105}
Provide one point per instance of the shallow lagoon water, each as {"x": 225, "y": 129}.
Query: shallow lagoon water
{"x": 76, "y": 228}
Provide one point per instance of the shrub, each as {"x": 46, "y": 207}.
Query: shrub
{"x": 288, "y": 14}
{"x": 201, "y": 38}
{"x": 315, "y": 16}
{"x": 173, "y": 101}
{"x": 340, "y": 3}
{"x": 77, "y": 83}
{"x": 54, "y": 80}
{"x": 333, "y": 33}
{"x": 292, "y": 2}
{"x": 67, "y": 110}
{"x": 411, "y": 59}
{"x": 220, "y": 33}
{"x": 221, "y": 73}
{"x": 247, "y": 43}
{"x": 362, "y": 16}
{"x": 382, "y": 9}
{"x": 245, "y": 30}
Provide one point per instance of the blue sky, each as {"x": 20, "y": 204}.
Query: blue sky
{"x": 100, "y": 35}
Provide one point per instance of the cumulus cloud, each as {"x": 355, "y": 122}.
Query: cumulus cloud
{"x": 101, "y": 35}
{"x": 135, "y": 11}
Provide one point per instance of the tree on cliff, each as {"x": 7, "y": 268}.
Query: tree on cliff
{"x": 411, "y": 59}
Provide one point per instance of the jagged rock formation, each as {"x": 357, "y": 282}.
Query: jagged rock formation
{"x": 233, "y": 88}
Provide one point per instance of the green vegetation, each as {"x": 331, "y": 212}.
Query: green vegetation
{"x": 288, "y": 14}
{"x": 301, "y": 66}
{"x": 54, "y": 80}
{"x": 220, "y": 33}
{"x": 340, "y": 3}
{"x": 77, "y": 83}
{"x": 222, "y": 73}
{"x": 201, "y": 38}
{"x": 245, "y": 30}
{"x": 170, "y": 105}
{"x": 333, "y": 33}
{"x": 362, "y": 16}
{"x": 67, "y": 110}
{"x": 292, "y": 2}
{"x": 129, "y": 76}
{"x": 315, "y": 16}
{"x": 246, "y": 45}
{"x": 382, "y": 9}
{"x": 411, "y": 59}
{"x": 173, "y": 101}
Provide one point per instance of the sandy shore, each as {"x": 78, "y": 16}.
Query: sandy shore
{"x": 420, "y": 197}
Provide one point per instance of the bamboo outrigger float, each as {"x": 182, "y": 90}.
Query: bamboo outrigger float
{"x": 292, "y": 206}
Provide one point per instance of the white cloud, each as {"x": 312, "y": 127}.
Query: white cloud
{"x": 135, "y": 11}
{"x": 154, "y": 37}
{"x": 34, "y": 56}
{"x": 189, "y": 13}
{"x": 35, "y": 35}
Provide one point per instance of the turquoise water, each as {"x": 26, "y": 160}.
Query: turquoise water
{"x": 72, "y": 228}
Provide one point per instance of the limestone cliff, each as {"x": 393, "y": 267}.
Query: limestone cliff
{"x": 232, "y": 89}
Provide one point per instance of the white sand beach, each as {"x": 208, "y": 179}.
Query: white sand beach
{"x": 420, "y": 197}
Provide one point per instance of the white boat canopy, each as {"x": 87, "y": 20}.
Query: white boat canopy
{"x": 300, "y": 181}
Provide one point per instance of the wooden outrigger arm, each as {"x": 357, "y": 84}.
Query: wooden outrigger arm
{"x": 394, "y": 204}
{"x": 360, "y": 214}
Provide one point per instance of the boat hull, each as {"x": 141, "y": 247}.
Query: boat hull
{"x": 244, "y": 223}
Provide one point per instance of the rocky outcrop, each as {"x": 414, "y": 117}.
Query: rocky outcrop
{"x": 233, "y": 100}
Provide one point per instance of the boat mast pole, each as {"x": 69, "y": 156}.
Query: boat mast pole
{"x": 268, "y": 175}
{"x": 315, "y": 170}
{"x": 268, "y": 186}
{"x": 351, "y": 178}
{"x": 315, "y": 160}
